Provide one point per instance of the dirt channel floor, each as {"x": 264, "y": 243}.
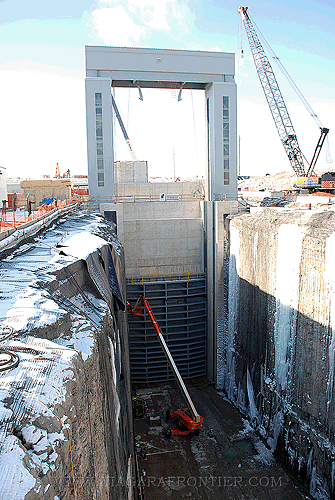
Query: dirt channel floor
{"x": 230, "y": 464}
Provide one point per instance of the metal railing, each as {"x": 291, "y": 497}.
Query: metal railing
{"x": 149, "y": 197}
{"x": 134, "y": 280}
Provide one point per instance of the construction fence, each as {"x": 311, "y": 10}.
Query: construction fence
{"x": 15, "y": 219}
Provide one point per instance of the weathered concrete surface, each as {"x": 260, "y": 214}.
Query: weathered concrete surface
{"x": 66, "y": 419}
{"x": 216, "y": 239}
{"x": 161, "y": 237}
{"x": 276, "y": 351}
{"x": 130, "y": 171}
{"x": 153, "y": 190}
{"x": 229, "y": 463}
{"x": 47, "y": 188}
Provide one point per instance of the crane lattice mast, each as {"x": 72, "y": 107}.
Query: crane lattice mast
{"x": 274, "y": 97}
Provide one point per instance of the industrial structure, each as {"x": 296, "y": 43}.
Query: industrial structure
{"x": 246, "y": 300}
{"x": 170, "y": 231}
{"x": 189, "y": 420}
{"x": 305, "y": 171}
{"x": 212, "y": 72}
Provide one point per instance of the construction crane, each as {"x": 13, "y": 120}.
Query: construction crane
{"x": 188, "y": 418}
{"x": 277, "y": 104}
{"x": 57, "y": 173}
{"x": 123, "y": 128}
{"x": 66, "y": 175}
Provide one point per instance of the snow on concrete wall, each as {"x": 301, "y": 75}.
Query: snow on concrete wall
{"x": 66, "y": 407}
{"x": 278, "y": 345}
{"x": 287, "y": 288}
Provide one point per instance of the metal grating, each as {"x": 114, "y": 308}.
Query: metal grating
{"x": 180, "y": 308}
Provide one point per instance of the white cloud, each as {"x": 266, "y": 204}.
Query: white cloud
{"x": 123, "y": 22}
{"x": 153, "y": 14}
{"x": 45, "y": 122}
{"x": 115, "y": 27}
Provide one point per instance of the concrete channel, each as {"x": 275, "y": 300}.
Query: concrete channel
{"x": 268, "y": 418}
{"x": 227, "y": 460}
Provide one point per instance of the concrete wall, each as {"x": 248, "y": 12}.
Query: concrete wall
{"x": 277, "y": 345}
{"x": 216, "y": 183}
{"x": 156, "y": 65}
{"x": 212, "y": 72}
{"x": 130, "y": 171}
{"x": 48, "y": 188}
{"x": 106, "y": 190}
{"x": 189, "y": 189}
{"x": 160, "y": 237}
{"x": 215, "y": 214}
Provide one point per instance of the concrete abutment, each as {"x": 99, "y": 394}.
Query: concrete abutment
{"x": 276, "y": 349}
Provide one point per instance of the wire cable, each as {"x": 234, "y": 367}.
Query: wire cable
{"x": 295, "y": 87}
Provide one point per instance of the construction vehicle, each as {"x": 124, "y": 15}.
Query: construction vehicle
{"x": 306, "y": 177}
{"x": 123, "y": 128}
{"x": 188, "y": 419}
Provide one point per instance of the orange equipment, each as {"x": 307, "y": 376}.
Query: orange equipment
{"x": 189, "y": 420}
{"x": 57, "y": 173}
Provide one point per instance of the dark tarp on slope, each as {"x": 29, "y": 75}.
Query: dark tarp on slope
{"x": 101, "y": 264}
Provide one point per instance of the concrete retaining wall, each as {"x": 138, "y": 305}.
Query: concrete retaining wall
{"x": 130, "y": 171}
{"x": 189, "y": 189}
{"x": 161, "y": 238}
{"x": 276, "y": 350}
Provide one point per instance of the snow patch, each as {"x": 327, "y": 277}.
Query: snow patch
{"x": 290, "y": 238}
{"x": 252, "y": 404}
{"x": 11, "y": 470}
{"x": 81, "y": 245}
{"x": 33, "y": 308}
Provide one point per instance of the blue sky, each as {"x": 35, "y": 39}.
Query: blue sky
{"x": 42, "y": 79}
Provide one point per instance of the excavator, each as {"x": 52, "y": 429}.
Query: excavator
{"x": 188, "y": 419}
{"x": 306, "y": 177}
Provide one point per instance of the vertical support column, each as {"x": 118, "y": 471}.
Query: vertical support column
{"x": 222, "y": 154}
{"x": 100, "y": 154}
{"x": 210, "y": 276}
{"x": 221, "y": 185}
{"x": 216, "y": 245}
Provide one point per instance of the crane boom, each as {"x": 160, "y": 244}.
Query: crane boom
{"x": 195, "y": 417}
{"x": 322, "y": 138}
{"x": 302, "y": 98}
{"x": 123, "y": 128}
{"x": 277, "y": 104}
{"x": 274, "y": 97}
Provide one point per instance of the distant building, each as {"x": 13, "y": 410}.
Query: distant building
{"x": 47, "y": 188}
